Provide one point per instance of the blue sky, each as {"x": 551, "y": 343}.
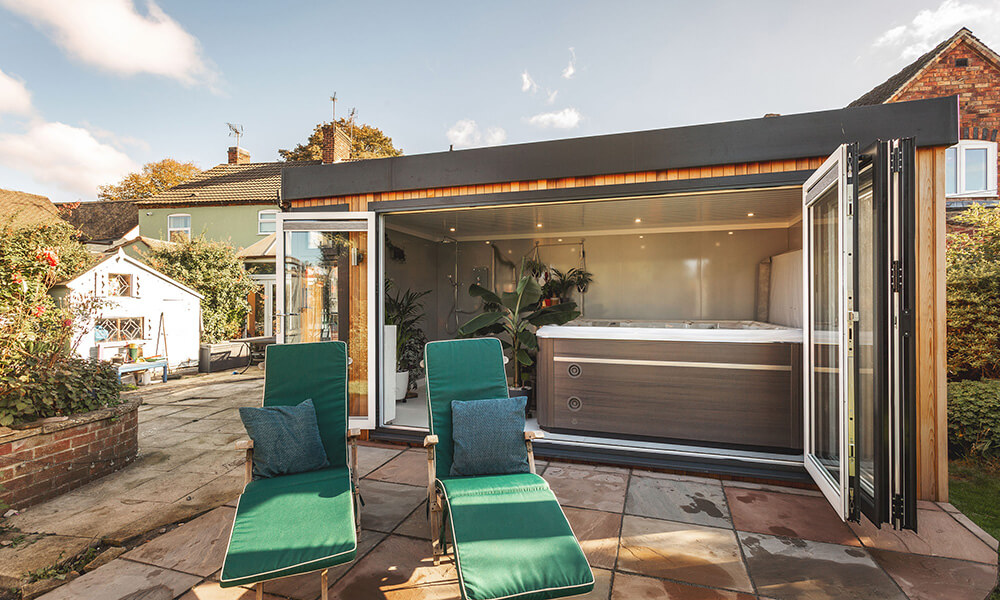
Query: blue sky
{"x": 91, "y": 90}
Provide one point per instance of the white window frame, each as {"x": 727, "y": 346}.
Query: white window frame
{"x": 274, "y": 220}
{"x": 185, "y": 230}
{"x": 991, "y": 169}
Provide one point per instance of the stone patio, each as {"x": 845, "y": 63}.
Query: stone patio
{"x": 646, "y": 534}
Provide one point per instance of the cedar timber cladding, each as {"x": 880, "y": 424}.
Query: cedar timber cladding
{"x": 359, "y": 202}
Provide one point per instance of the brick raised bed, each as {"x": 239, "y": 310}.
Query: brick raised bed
{"x": 50, "y": 459}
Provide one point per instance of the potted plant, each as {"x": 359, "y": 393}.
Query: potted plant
{"x": 514, "y": 317}
{"x": 405, "y": 309}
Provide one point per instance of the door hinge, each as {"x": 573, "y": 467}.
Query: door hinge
{"x": 896, "y": 159}
{"x": 897, "y": 509}
{"x": 896, "y": 276}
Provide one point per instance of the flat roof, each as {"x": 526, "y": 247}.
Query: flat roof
{"x": 933, "y": 122}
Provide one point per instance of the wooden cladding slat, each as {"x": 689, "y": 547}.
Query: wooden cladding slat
{"x": 359, "y": 201}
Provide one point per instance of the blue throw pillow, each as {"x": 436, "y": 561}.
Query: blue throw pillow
{"x": 488, "y": 437}
{"x": 285, "y": 439}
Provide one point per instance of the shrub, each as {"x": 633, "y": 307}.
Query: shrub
{"x": 973, "y": 294}
{"x": 215, "y": 272}
{"x": 66, "y": 387}
{"x": 974, "y": 417}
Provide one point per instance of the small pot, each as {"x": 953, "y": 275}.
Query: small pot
{"x": 402, "y": 384}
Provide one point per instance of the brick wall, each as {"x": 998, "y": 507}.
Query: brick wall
{"x": 336, "y": 144}
{"x": 43, "y": 462}
{"x": 977, "y": 85}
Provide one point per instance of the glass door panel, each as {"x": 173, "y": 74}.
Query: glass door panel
{"x": 327, "y": 293}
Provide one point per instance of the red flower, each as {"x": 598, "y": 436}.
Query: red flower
{"x": 17, "y": 277}
{"x": 39, "y": 310}
{"x": 49, "y": 256}
{"x": 67, "y": 322}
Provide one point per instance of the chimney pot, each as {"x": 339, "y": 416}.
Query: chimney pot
{"x": 238, "y": 156}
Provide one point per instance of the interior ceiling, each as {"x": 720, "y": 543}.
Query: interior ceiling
{"x": 776, "y": 207}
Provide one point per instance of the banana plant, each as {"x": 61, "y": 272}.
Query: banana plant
{"x": 514, "y": 317}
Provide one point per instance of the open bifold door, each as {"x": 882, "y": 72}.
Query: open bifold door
{"x": 859, "y": 400}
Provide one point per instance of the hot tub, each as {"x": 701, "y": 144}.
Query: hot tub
{"x": 718, "y": 383}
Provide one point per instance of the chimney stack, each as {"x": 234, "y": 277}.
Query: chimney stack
{"x": 238, "y": 156}
{"x": 336, "y": 144}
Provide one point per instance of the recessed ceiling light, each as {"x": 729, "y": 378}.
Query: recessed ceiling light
{"x": 487, "y": 242}
{"x": 749, "y": 214}
{"x": 730, "y": 233}
{"x": 641, "y": 236}
{"x": 638, "y": 220}
{"x": 451, "y": 229}
{"x": 538, "y": 225}
{"x": 559, "y": 240}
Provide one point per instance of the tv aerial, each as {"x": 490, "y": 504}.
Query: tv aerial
{"x": 235, "y": 130}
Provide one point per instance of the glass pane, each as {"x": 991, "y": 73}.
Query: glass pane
{"x": 825, "y": 333}
{"x": 179, "y": 222}
{"x": 975, "y": 169}
{"x": 951, "y": 171}
{"x": 864, "y": 356}
{"x": 265, "y": 226}
{"x": 326, "y": 299}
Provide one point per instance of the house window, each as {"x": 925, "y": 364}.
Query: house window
{"x": 971, "y": 169}
{"x": 117, "y": 329}
{"x": 178, "y": 227}
{"x": 120, "y": 284}
{"x": 266, "y": 220}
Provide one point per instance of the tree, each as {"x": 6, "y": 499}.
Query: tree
{"x": 154, "y": 178}
{"x": 368, "y": 142}
{"x": 214, "y": 271}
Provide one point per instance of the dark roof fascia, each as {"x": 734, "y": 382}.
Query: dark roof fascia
{"x": 323, "y": 208}
{"x": 598, "y": 192}
{"x": 196, "y": 203}
{"x": 931, "y": 122}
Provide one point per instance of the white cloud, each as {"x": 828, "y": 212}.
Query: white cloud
{"x": 14, "y": 96}
{"x": 930, "y": 27}
{"x": 567, "y": 118}
{"x": 466, "y": 133}
{"x": 552, "y": 97}
{"x": 527, "y": 83}
{"x": 115, "y": 36}
{"x": 570, "y": 69}
{"x": 65, "y": 156}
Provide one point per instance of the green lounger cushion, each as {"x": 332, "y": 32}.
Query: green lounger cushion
{"x": 512, "y": 539}
{"x": 289, "y": 525}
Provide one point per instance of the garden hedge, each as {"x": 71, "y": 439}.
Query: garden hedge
{"x": 974, "y": 417}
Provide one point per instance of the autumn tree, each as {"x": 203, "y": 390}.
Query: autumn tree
{"x": 368, "y": 141}
{"x": 154, "y": 178}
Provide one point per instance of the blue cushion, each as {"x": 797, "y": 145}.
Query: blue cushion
{"x": 488, "y": 437}
{"x": 285, "y": 439}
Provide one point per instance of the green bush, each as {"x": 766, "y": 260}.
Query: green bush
{"x": 974, "y": 417}
{"x": 67, "y": 387}
{"x": 973, "y": 294}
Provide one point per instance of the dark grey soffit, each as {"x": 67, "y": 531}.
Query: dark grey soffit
{"x": 931, "y": 122}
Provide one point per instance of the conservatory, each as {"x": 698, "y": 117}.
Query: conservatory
{"x": 759, "y": 298}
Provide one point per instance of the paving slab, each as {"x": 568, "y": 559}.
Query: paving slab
{"x": 387, "y": 504}
{"x": 416, "y": 525}
{"x": 789, "y": 515}
{"x": 597, "y": 532}
{"x": 636, "y": 587}
{"x": 584, "y": 486}
{"x": 168, "y": 489}
{"x": 126, "y": 580}
{"x": 399, "y": 568}
{"x": 197, "y": 547}
{"x": 938, "y": 534}
{"x": 933, "y": 578}
{"x": 409, "y": 467}
{"x": 34, "y": 552}
{"x": 766, "y": 487}
{"x": 685, "y": 552}
{"x": 373, "y": 457}
{"x": 978, "y": 531}
{"x": 602, "y": 585}
{"x": 210, "y": 590}
{"x": 308, "y": 585}
{"x": 792, "y": 569}
{"x": 678, "y": 499}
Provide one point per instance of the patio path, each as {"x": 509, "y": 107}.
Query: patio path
{"x": 646, "y": 534}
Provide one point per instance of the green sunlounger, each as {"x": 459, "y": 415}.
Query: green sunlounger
{"x": 510, "y": 537}
{"x": 303, "y": 522}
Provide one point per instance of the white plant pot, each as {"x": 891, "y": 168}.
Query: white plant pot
{"x": 402, "y": 383}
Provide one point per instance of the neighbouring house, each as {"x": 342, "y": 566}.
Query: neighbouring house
{"x": 961, "y": 65}
{"x": 766, "y": 296}
{"x": 141, "y": 306}
{"x": 235, "y": 202}
{"x": 24, "y": 209}
{"x": 104, "y": 223}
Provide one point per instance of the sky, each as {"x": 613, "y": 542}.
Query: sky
{"x": 91, "y": 90}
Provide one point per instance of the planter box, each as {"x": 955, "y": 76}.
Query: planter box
{"x": 222, "y": 357}
{"x": 51, "y": 458}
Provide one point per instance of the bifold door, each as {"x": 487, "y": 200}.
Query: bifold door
{"x": 328, "y": 293}
{"x": 858, "y": 332}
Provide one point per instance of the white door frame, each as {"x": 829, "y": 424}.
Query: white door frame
{"x": 836, "y": 492}
{"x": 366, "y": 422}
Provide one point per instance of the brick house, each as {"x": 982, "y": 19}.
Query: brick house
{"x": 961, "y": 65}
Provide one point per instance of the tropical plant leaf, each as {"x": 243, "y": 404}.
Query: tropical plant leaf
{"x": 531, "y": 292}
{"x": 478, "y": 291}
{"x": 509, "y": 300}
{"x": 524, "y": 358}
{"x": 557, "y": 314}
{"x": 478, "y": 323}
{"x": 528, "y": 339}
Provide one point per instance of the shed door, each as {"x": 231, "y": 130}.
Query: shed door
{"x": 327, "y": 292}
{"x": 858, "y": 389}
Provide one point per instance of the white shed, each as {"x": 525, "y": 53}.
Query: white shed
{"x": 141, "y": 306}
